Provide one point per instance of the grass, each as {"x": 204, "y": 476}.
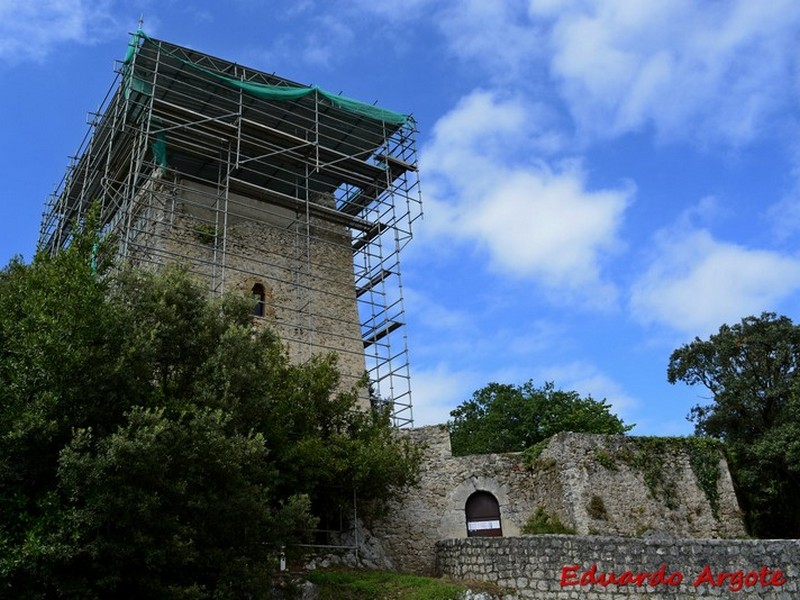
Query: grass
{"x": 542, "y": 522}
{"x": 384, "y": 585}
{"x": 597, "y": 508}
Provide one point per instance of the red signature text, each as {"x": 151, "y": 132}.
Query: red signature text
{"x": 569, "y": 576}
{"x": 735, "y": 581}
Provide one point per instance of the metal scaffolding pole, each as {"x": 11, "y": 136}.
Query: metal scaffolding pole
{"x": 253, "y": 181}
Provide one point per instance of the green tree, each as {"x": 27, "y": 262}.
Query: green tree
{"x": 511, "y": 418}
{"x": 752, "y": 370}
{"x": 154, "y": 444}
{"x": 166, "y": 505}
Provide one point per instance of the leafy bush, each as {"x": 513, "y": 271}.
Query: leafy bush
{"x": 541, "y": 522}
{"x": 510, "y": 418}
{"x": 752, "y": 369}
{"x": 154, "y": 444}
{"x": 597, "y": 508}
{"x": 606, "y": 459}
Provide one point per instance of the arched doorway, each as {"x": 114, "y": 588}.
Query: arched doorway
{"x": 483, "y": 515}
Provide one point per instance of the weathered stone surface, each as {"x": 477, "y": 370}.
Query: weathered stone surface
{"x": 551, "y": 566}
{"x": 233, "y": 242}
{"x": 564, "y": 482}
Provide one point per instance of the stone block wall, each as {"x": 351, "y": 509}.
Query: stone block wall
{"x": 572, "y": 567}
{"x": 626, "y": 485}
{"x": 304, "y": 264}
{"x": 573, "y": 476}
{"x": 435, "y": 509}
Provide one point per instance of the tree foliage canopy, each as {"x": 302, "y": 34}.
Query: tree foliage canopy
{"x": 752, "y": 371}
{"x": 511, "y": 418}
{"x": 154, "y": 444}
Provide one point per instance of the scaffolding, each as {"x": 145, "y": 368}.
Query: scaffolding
{"x": 260, "y": 185}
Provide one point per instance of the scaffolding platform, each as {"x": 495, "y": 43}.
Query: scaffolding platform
{"x": 256, "y": 182}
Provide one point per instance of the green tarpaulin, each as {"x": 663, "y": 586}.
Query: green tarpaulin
{"x": 278, "y": 92}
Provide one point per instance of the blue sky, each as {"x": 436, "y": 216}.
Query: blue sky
{"x": 602, "y": 181}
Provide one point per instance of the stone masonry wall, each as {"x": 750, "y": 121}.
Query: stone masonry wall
{"x": 572, "y": 567}
{"x": 626, "y": 485}
{"x": 435, "y": 509}
{"x": 567, "y": 481}
{"x": 306, "y": 269}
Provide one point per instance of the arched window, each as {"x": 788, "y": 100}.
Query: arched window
{"x": 483, "y": 515}
{"x": 259, "y": 300}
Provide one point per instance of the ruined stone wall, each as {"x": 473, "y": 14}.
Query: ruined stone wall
{"x": 435, "y": 510}
{"x": 304, "y": 264}
{"x": 570, "y": 567}
{"x": 626, "y": 485}
{"x": 566, "y": 481}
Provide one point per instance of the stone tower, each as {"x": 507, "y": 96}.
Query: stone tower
{"x": 296, "y": 196}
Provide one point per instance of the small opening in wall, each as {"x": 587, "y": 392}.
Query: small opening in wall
{"x": 259, "y": 300}
{"x": 483, "y": 515}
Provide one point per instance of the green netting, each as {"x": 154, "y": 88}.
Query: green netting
{"x": 278, "y": 92}
{"x": 366, "y": 110}
{"x": 266, "y": 91}
{"x": 133, "y": 45}
{"x": 130, "y": 82}
{"x": 159, "y": 148}
{"x": 261, "y": 90}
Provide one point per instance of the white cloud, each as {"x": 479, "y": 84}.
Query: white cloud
{"x": 707, "y": 71}
{"x": 325, "y": 41}
{"x": 394, "y": 11}
{"x": 588, "y": 380}
{"x": 433, "y": 315}
{"x": 714, "y": 70}
{"x": 535, "y": 221}
{"x": 696, "y": 283}
{"x": 784, "y": 215}
{"x": 30, "y": 30}
{"x": 498, "y": 35}
{"x": 548, "y": 225}
{"x": 486, "y": 130}
{"x": 439, "y": 390}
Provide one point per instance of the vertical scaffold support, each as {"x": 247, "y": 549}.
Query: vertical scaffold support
{"x": 253, "y": 181}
